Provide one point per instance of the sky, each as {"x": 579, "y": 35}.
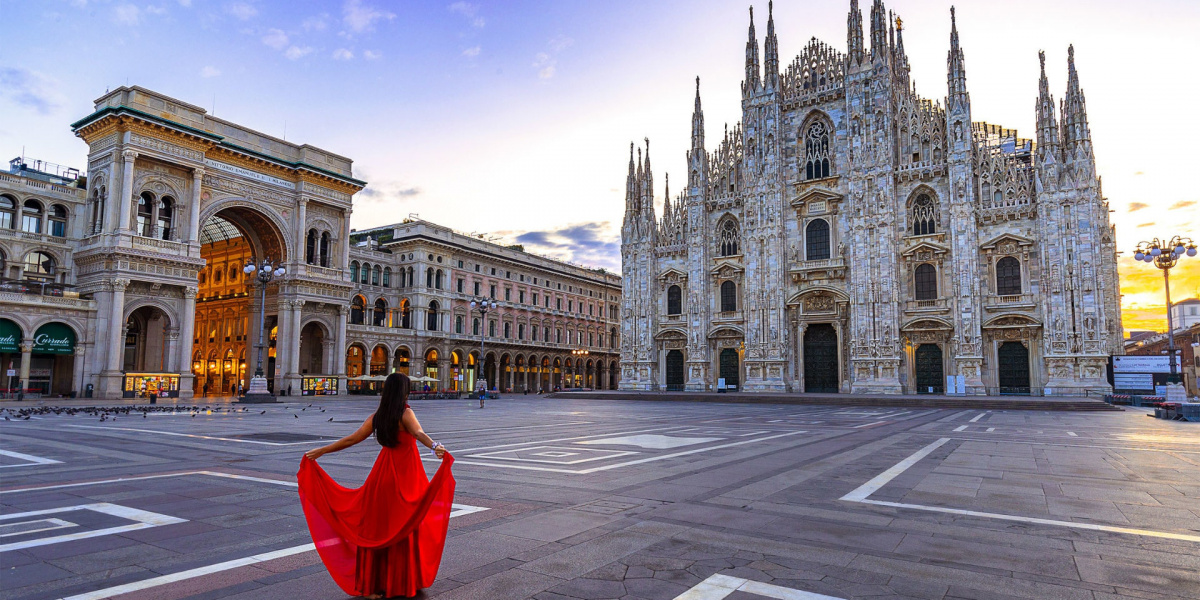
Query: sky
{"x": 514, "y": 118}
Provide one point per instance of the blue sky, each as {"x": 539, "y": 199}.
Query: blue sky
{"x": 515, "y": 117}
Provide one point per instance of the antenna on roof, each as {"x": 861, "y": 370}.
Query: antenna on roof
{"x": 285, "y": 130}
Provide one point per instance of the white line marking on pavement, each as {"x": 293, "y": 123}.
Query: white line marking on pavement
{"x": 861, "y": 493}
{"x": 869, "y": 424}
{"x": 720, "y": 586}
{"x": 145, "y": 519}
{"x": 29, "y": 458}
{"x": 203, "y": 437}
{"x": 961, "y": 428}
{"x": 1072, "y": 434}
{"x": 979, "y": 416}
{"x": 990, "y": 429}
{"x": 39, "y": 525}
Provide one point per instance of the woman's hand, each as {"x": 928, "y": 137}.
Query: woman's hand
{"x": 314, "y": 454}
{"x": 439, "y": 450}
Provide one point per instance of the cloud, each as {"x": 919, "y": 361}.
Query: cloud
{"x": 315, "y": 23}
{"x": 385, "y": 191}
{"x": 296, "y": 52}
{"x": 371, "y": 55}
{"x": 596, "y": 243}
{"x": 242, "y": 10}
{"x": 156, "y": 10}
{"x": 342, "y": 54}
{"x": 560, "y": 42}
{"x": 127, "y": 14}
{"x": 276, "y": 39}
{"x": 1136, "y": 206}
{"x": 209, "y": 71}
{"x": 469, "y": 11}
{"x": 185, "y": 3}
{"x": 471, "y": 52}
{"x": 30, "y": 89}
{"x": 360, "y": 18}
{"x": 545, "y": 65}
{"x": 1183, "y": 204}
{"x": 1150, "y": 224}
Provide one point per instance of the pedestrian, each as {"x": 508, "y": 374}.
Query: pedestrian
{"x": 385, "y": 538}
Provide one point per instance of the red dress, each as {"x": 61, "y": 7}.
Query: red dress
{"x": 387, "y": 536}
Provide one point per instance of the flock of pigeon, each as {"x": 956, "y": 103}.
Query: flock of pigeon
{"x": 110, "y": 413}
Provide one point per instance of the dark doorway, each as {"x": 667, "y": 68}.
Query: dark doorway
{"x": 929, "y": 369}
{"x": 674, "y": 371}
{"x": 820, "y": 359}
{"x": 1014, "y": 368}
{"x": 729, "y": 369}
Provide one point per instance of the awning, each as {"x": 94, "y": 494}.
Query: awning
{"x": 54, "y": 338}
{"x": 10, "y": 336}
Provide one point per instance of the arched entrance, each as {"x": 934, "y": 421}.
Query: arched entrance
{"x": 431, "y": 371}
{"x": 505, "y": 373}
{"x": 729, "y": 369}
{"x": 228, "y": 306}
{"x": 820, "y": 358}
{"x": 545, "y": 374}
{"x": 1013, "y": 359}
{"x": 312, "y": 349}
{"x": 356, "y": 362}
{"x": 556, "y": 379}
{"x": 674, "y": 371}
{"x": 400, "y": 361}
{"x": 614, "y": 375}
{"x": 929, "y": 369}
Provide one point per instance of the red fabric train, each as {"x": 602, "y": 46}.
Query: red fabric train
{"x": 387, "y": 536}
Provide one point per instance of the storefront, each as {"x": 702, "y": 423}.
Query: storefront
{"x": 52, "y": 366}
{"x": 319, "y": 386}
{"x": 10, "y": 355}
{"x": 145, "y": 385}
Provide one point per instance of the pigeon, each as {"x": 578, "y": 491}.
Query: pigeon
{"x": 297, "y": 416}
{"x": 263, "y": 412}
{"x": 193, "y": 415}
{"x": 143, "y": 415}
{"x": 331, "y": 418}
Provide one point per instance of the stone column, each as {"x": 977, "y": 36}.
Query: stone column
{"x": 291, "y": 352}
{"x": 77, "y": 382}
{"x": 346, "y": 244}
{"x": 302, "y": 234}
{"x": 187, "y": 333}
{"x": 172, "y": 350}
{"x": 26, "y": 358}
{"x": 327, "y": 357}
{"x": 340, "y": 349}
{"x": 113, "y": 382}
{"x": 193, "y": 234}
{"x": 124, "y": 205}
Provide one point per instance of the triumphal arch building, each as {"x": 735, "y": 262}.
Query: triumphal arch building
{"x": 177, "y": 202}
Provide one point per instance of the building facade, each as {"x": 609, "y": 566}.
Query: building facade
{"x": 144, "y": 287}
{"x": 849, "y": 235}
{"x": 555, "y": 325}
{"x": 1185, "y": 313}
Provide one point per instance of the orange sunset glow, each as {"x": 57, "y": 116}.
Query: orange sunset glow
{"x": 1142, "y": 302}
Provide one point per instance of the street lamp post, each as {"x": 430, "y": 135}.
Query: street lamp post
{"x": 267, "y": 270}
{"x": 1165, "y": 255}
{"x": 483, "y": 305}
{"x": 579, "y": 353}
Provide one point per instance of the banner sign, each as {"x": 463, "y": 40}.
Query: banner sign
{"x": 10, "y": 336}
{"x": 1142, "y": 364}
{"x": 54, "y": 338}
{"x": 244, "y": 172}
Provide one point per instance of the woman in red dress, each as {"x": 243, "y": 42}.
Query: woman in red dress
{"x": 385, "y": 538}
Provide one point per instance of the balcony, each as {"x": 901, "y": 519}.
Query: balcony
{"x": 1010, "y": 302}
{"x": 154, "y": 244}
{"x": 724, "y": 317}
{"x": 829, "y": 268}
{"x": 36, "y": 293}
{"x": 939, "y": 305}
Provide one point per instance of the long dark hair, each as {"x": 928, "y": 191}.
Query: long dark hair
{"x": 391, "y": 408}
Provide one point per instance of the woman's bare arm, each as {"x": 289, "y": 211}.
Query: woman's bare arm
{"x": 359, "y": 435}
{"x": 413, "y": 427}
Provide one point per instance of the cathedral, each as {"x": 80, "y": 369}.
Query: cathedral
{"x": 849, "y": 235}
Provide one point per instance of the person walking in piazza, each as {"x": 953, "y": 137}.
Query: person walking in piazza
{"x": 385, "y": 538}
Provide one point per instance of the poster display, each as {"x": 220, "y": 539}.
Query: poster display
{"x": 319, "y": 386}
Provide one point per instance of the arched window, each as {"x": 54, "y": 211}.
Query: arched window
{"x": 376, "y": 274}
{"x": 365, "y": 276}
{"x": 405, "y": 314}
{"x": 1008, "y": 276}
{"x": 926, "y": 282}
{"x": 99, "y": 194}
{"x": 58, "y": 220}
{"x": 924, "y": 215}
{"x": 310, "y": 247}
{"x": 520, "y": 331}
{"x": 379, "y": 318}
{"x": 31, "y": 217}
{"x": 816, "y": 151}
{"x": 728, "y": 296}
{"x": 437, "y": 282}
{"x": 458, "y": 324}
{"x": 431, "y": 319}
{"x": 145, "y": 215}
{"x": 324, "y": 252}
{"x": 8, "y": 212}
{"x": 354, "y": 271}
{"x": 387, "y": 277}
{"x": 357, "y": 308}
{"x": 674, "y": 300}
{"x": 40, "y": 266}
{"x": 728, "y": 238}
{"x": 412, "y": 280}
{"x": 474, "y": 326}
{"x": 507, "y": 330}
{"x": 166, "y": 209}
{"x": 816, "y": 243}
{"x": 429, "y": 277}
{"x": 491, "y": 329}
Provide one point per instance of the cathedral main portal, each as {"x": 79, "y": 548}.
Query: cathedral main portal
{"x": 820, "y": 359}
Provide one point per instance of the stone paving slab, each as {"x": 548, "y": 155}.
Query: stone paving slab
{"x": 769, "y": 511}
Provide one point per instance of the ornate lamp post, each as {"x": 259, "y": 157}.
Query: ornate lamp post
{"x": 483, "y": 305}
{"x": 267, "y": 270}
{"x": 578, "y": 353}
{"x": 1165, "y": 255}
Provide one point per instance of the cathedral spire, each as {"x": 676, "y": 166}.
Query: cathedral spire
{"x": 771, "y": 51}
{"x": 854, "y": 34}
{"x": 752, "y": 81}
{"x": 956, "y": 72}
{"x": 1047, "y": 125}
{"x": 667, "y": 213}
{"x": 901, "y": 63}
{"x": 1075, "y": 132}
{"x": 879, "y": 31}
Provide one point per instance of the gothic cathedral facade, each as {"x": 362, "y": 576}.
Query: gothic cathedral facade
{"x": 851, "y": 236}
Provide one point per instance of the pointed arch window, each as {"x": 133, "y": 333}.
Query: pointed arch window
{"x": 817, "y": 241}
{"x": 925, "y": 280}
{"x": 728, "y": 238}
{"x": 924, "y": 215}
{"x": 674, "y": 300}
{"x": 816, "y": 151}
{"x": 1008, "y": 276}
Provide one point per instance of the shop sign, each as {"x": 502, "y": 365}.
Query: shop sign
{"x": 54, "y": 338}
{"x": 10, "y": 336}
